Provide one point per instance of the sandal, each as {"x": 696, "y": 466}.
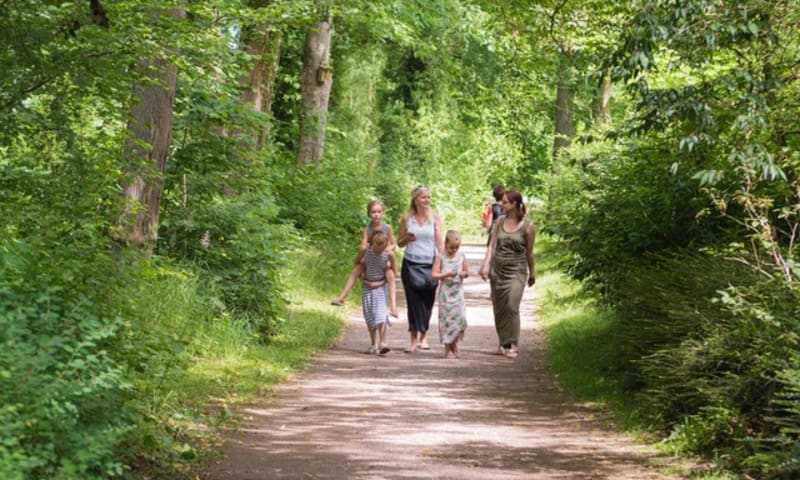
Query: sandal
{"x": 338, "y": 303}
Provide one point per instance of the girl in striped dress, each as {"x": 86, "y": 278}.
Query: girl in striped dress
{"x": 377, "y": 260}
{"x": 375, "y": 210}
{"x": 450, "y": 268}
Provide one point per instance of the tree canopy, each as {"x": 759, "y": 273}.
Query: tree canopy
{"x": 146, "y": 143}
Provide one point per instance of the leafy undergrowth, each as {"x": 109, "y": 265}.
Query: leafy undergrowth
{"x": 230, "y": 365}
{"x": 582, "y": 352}
{"x": 579, "y": 334}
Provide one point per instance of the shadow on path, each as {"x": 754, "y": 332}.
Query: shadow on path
{"x": 419, "y": 416}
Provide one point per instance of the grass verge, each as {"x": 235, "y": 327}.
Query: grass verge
{"x": 579, "y": 334}
{"x": 229, "y": 366}
{"x": 581, "y": 349}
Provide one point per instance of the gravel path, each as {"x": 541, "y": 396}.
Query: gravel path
{"x": 419, "y": 416}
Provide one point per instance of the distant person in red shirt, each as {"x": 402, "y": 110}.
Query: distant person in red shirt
{"x": 493, "y": 211}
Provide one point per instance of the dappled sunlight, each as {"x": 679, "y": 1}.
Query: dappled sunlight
{"x": 412, "y": 416}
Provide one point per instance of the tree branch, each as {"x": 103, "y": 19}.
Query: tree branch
{"x": 554, "y": 15}
{"x": 29, "y": 89}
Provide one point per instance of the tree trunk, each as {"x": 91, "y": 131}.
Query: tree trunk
{"x": 564, "y": 107}
{"x": 257, "y": 86}
{"x": 601, "y": 102}
{"x": 150, "y": 128}
{"x": 316, "y": 87}
{"x": 272, "y": 62}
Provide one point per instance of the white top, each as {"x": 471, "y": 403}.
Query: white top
{"x": 423, "y": 249}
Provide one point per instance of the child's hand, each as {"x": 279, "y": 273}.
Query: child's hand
{"x": 374, "y": 284}
{"x": 465, "y": 274}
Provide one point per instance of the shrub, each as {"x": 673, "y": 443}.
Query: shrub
{"x": 240, "y": 243}
{"x": 63, "y": 395}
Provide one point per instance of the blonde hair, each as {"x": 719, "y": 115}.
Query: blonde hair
{"x": 412, "y": 208}
{"x": 452, "y": 236}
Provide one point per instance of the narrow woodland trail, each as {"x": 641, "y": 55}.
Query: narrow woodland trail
{"x": 419, "y": 416}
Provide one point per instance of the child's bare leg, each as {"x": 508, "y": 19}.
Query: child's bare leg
{"x": 392, "y": 292}
{"x": 356, "y": 272}
{"x": 383, "y": 347}
{"x": 454, "y": 348}
{"x": 373, "y": 347}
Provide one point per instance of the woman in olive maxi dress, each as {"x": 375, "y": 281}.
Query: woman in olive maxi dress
{"x": 509, "y": 266}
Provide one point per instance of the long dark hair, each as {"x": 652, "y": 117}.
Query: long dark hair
{"x": 515, "y": 197}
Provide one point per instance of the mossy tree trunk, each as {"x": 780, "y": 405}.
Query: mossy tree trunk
{"x": 315, "y": 86}
{"x": 147, "y": 148}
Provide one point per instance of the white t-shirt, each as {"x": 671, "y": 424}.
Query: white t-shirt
{"x": 423, "y": 249}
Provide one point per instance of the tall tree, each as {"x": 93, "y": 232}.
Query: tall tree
{"x": 601, "y": 102}
{"x": 315, "y": 85}
{"x": 565, "y": 103}
{"x": 147, "y": 148}
{"x": 263, "y": 44}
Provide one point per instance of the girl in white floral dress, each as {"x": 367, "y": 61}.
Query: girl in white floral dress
{"x": 450, "y": 267}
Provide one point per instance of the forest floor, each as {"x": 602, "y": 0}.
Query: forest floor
{"x": 351, "y": 415}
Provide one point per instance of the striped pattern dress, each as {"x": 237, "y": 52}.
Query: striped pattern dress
{"x": 373, "y": 300}
{"x": 450, "y": 300}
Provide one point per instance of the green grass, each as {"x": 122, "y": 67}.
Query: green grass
{"x": 581, "y": 349}
{"x": 240, "y": 368}
{"x": 226, "y": 366}
{"x": 580, "y": 336}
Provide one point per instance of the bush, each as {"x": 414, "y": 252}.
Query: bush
{"x": 240, "y": 243}
{"x": 713, "y": 363}
{"x": 614, "y": 206}
{"x": 63, "y": 395}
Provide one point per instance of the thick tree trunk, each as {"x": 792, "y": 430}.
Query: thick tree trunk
{"x": 316, "y": 88}
{"x": 601, "y": 102}
{"x": 150, "y": 128}
{"x": 564, "y": 107}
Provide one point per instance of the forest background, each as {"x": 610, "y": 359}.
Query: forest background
{"x": 173, "y": 173}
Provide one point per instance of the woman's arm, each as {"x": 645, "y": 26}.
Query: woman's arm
{"x": 405, "y": 236}
{"x": 489, "y": 250}
{"x": 438, "y": 237}
{"x": 529, "y": 254}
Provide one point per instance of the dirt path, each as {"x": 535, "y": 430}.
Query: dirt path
{"x": 419, "y": 416}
